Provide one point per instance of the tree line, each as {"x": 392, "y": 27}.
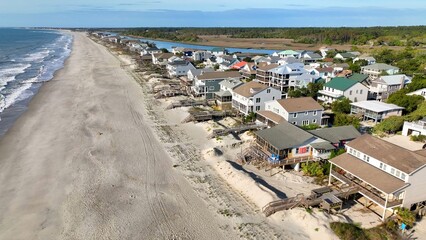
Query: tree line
{"x": 390, "y": 36}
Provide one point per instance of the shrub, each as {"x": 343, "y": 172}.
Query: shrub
{"x": 348, "y": 231}
{"x": 418, "y": 138}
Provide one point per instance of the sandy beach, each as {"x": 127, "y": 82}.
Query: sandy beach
{"x": 82, "y": 163}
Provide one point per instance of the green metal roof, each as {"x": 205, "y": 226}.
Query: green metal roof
{"x": 358, "y": 77}
{"x": 341, "y": 83}
{"x": 288, "y": 52}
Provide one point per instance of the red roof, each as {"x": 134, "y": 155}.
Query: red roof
{"x": 239, "y": 65}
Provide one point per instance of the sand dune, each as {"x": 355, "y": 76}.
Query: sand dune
{"x": 82, "y": 163}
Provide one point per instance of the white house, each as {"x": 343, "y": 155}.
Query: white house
{"x": 340, "y": 87}
{"x": 288, "y": 53}
{"x": 150, "y": 50}
{"x": 251, "y": 97}
{"x": 179, "y": 68}
{"x": 420, "y": 92}
{"x": 414, "y": 128}
{"x": 201, "y": 55}
{"x": 344, "y": 56}
{"x": 370, "y": 60}
{"x": 161, "y": 58}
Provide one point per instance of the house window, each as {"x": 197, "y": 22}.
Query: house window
{"x": 403, "y": 176}
{"x": 273, "y": 98}
{"x": 314, "y": 121}
{"x": 257, "y": 100}
{"x": 294, "y": 123}
{"x": 295, "y": 115}
{"x": 211, "y": 88}
{"x": 358, "y": 154}
{"x": 315, "y": 113}
{"x": 257, "y": 108}
{"x": 356, "y": 91}
{"x": 350, "y": 92}
{"x": 360, "y": 91}
{"x": 367, "y": 158}
{"x": 268, "y": 91}
{"x": 350, "y": 150}
{"x": 392, "y": 171}
{"x": 305, "y": 122}
{"x": 306, "y": 113}
{"x": 381, "y": 165}
{"x": 397, "y": 173}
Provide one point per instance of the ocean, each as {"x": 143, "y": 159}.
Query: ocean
{"x": 28, "y": 58}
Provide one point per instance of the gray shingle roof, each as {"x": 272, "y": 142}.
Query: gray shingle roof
{"x": 336, "y": 134}
{"x": 284, "y": 135}
{"x": 323, "y": 146}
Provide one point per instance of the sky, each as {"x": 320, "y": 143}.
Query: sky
{"x": 211, "y": 13}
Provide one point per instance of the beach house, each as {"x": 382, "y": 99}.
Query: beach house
{"x": 223, "y": 98}
{"x": 280, "y": 76}
{"x": 380, "y": 88}
{"x": 414, "y": 128}
{"x": 207, "y": 84}
{"x": 337, "y": 136}
{"x": 298, "y": 111}
{"x": 385, "y": 174}
{"x": 179, "y": 68}
{"x": 341, "y": 87}
{"x": 375, "y": 110}
{"x": 288, "y": 144}
{"x": 251, "y": 97}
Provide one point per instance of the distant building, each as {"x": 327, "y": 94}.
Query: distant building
{"x": 376, "y": 70}
{"x": 344, "y": 56}
{"x": 179, "y": 68}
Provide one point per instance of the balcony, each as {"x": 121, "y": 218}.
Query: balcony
{"x": 366, "y": 190}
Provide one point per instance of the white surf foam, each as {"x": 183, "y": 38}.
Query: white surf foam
{"x": 9, "y": 74}
{"x": 37, "y": 56}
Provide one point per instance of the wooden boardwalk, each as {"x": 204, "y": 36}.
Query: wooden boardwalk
{"x": 242, "y": 128}
{"x": 198, "y": 116}
{"x": 187, "y": 103}
{"x": 301, "y": 201}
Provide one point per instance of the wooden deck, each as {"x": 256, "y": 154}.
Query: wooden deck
{"x": 187, "y": 103}
{"x": 366, "y": 192}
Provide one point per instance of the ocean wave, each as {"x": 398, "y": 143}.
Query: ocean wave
{"x": 37, "y": 56}
{"x": 17, "y": 95}
{"x": 9, "y": 74}
{"x": 43, "y": 64}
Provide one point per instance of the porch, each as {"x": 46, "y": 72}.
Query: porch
{"x": 377, "y": 186}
